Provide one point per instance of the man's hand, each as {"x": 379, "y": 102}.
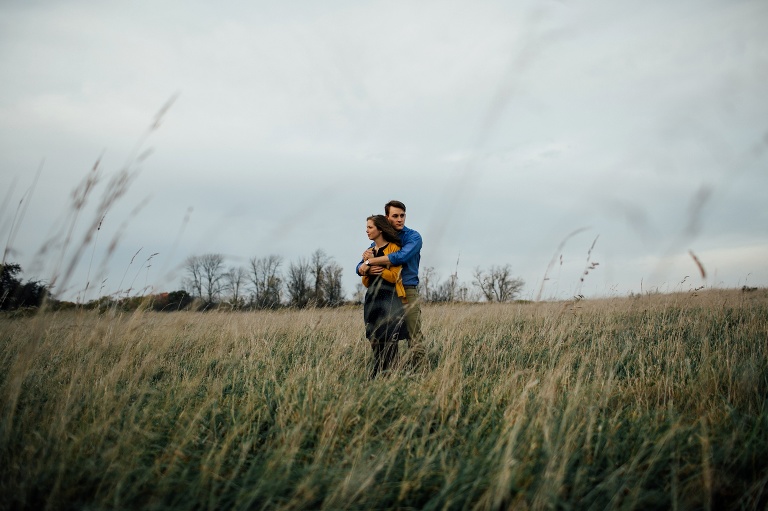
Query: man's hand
{"x": 370, "y": 269}
{"x": 367, "y": 254}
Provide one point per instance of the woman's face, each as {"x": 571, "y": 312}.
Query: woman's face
{"x": 371, "y": 230}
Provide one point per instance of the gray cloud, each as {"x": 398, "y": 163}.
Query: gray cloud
{"x": 503, "y": 127}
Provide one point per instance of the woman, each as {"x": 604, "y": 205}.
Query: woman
{"x": 383, "y": 310}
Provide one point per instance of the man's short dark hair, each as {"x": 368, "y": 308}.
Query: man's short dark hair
{"x": 393, "y": 203}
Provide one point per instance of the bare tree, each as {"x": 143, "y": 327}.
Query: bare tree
{"x": 212, "y": 276}
{"x": 463, "y": 294}
{"x": 331, "y": 285}
{"x": 442, "y": 292}
{"x": 234, "y": 281}
{"x": 451, "y": 290}
{"x": 359, "y": 296}
{"x": 497, "y": 285}
{"x": 298, "y": 284}
{"x": 267, "y": 281}
{"x": 452, "y": 284}
{"x": 194, "y": 280}
{"x": 426, "y": 281}
{"x": 446, "y": 291}
{"x": 318, "y": 263}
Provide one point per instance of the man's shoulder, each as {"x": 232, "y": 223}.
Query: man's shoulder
{"x": 410, "y": 237}
{"x": 411, "y": 232}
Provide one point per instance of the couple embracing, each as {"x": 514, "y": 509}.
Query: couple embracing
{"x": 390, "y": 272}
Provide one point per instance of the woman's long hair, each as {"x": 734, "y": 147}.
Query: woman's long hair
{"x": 388, "y": 232}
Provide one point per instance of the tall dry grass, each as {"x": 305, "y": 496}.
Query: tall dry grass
{"x": 648, "y": 403}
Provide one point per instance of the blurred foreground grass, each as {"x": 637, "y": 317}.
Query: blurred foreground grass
{"x": 657, "y": 402}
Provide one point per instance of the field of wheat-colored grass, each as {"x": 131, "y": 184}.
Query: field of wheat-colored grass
{"x": 652, "y": 402}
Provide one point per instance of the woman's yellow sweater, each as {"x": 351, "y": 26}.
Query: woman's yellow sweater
{"x": 391, "y": 274}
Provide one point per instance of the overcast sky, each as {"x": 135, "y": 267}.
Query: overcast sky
{"x": 520, "y": 133}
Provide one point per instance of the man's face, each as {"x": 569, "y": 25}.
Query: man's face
{"x": 396, "y": 218}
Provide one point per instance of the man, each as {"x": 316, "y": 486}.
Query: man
{"x": 409, "y": 257}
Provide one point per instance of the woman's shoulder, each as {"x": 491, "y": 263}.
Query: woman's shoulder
{"x": 391, "y": 247}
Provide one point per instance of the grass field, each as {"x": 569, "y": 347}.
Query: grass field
{"x": 651, "y": 402}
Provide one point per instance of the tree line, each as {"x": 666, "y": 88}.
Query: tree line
{"x": 267, "y": 282}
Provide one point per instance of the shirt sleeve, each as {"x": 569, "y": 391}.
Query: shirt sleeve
{"x": 411, "y": 247}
